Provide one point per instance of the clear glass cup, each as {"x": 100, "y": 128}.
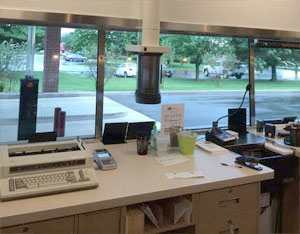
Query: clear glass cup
{"x": 162, "y": 142}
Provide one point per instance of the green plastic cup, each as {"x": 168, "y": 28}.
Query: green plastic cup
{"x": 187, "y": 142}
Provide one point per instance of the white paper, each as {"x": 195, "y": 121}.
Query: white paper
{"x": 171, "y": 159}
{"x": 280, "y": 149}
{"x": 180, "y": 208}
{"x": 188, "y": 213}
{"x": 211, "y": 147}
{"x": 146, "y": 209}
{"x": 171, "y": 115}
{"x": 185, "y": 175}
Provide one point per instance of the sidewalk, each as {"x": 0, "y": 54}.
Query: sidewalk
{"x": 80, "y": 113}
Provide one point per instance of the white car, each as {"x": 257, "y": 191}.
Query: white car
{"x": 126, "y": 70}
{"x": 220, "y": 70}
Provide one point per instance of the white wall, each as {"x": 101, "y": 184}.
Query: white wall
{"x": 267, "y": 14}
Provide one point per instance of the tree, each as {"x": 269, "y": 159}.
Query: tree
{"x": 12, "y": 60}
{"x": 116, "y": 42}
{"x": 83, "y": 40}
{"x": 241, "y": 50}
{"x": 17, "y": 34}
{"x": 166, "y": 40}
{"x": 271, "y": 57}
{"x": 294, "y": 61}
{"x": 87, "y": 41}
{"x": 197, "y": 47}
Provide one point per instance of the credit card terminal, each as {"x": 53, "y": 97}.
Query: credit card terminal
{"x": 104, "y": 159}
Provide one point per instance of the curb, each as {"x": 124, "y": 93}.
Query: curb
{"x": 70, "y": 118}
{"x": 93, "y": 94}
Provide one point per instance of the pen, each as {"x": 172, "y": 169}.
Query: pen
{"x": 225, "y": 164}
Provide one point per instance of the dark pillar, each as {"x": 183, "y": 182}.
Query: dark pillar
{"x": 252, "y": 82}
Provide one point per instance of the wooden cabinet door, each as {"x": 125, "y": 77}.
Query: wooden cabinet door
{"x": 100, "y": 222}
{"x": 226, "y": 201}
{"x": 54, "y": 226}
{"x": 243, "y": 223}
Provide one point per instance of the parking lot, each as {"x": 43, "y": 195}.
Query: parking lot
{"x": 81, "y": 68}
{"x": 201, "y": 108}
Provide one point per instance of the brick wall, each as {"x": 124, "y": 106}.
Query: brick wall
{"x": 51, "y": 59}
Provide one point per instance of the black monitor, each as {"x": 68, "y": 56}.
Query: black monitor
{"x": 142, "y": 128}
{"x": 289, "y": 119}
{"x": 114, "y": 133}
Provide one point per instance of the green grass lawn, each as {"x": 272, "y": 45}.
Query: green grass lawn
{"x": 70, "y": 82}
{"x": 67, "y": 82}
{"x": 179, "y": 84}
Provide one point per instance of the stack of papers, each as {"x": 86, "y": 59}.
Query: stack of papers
{"x": 185, "y": 175}
{"x": 171, "y": 159}
{"x": 211, "y": 148}
{"x": 280, "y": 149}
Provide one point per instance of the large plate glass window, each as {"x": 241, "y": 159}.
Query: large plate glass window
{"x": 207, "y": 74}
{"x": 64, "y": 74}
{"x": 277, "y": 79}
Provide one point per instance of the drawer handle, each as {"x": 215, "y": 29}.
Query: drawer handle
{"x": 232, "y": 229}
{"x": 25, "y": 229}
{"x": 229, "y": 202}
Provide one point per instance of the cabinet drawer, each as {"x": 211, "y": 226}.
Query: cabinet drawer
{"x": 242, "y": 223}
{"x": 100, "y": 222}
{"x": 54, "y": 226}
{"x": 226, "y": 201}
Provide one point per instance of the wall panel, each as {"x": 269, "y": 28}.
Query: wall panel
{"x": 264, "y": 14}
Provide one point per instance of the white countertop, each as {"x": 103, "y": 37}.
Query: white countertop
{"x": 137, "y": 179}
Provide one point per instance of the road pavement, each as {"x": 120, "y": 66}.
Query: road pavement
{"x": 64, "y": 66}
{"x": 201, "y": 108}
{"x": 80, "y": 114}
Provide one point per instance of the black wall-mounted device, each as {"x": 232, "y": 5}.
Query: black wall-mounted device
{"x": 270, "y": 130}
{"x": 260, "y": 125}
{"x": 28, "y": 107}
{"x": 237, "y": 120}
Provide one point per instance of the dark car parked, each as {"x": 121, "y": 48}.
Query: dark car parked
{"x": 167, "y": 72}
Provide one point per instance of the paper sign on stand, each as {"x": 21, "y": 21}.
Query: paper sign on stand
{"x": 171, "y": 115}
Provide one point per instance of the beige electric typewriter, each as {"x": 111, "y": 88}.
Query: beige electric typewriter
{"x": 44, "y": 168}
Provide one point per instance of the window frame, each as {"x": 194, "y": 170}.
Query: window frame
{"x": 102, "y": 24}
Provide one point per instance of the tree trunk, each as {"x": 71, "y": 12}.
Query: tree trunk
{"x": 274, "y": 75}
{"x": 197, "y": 71}
{"x": 296, "y": 72}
